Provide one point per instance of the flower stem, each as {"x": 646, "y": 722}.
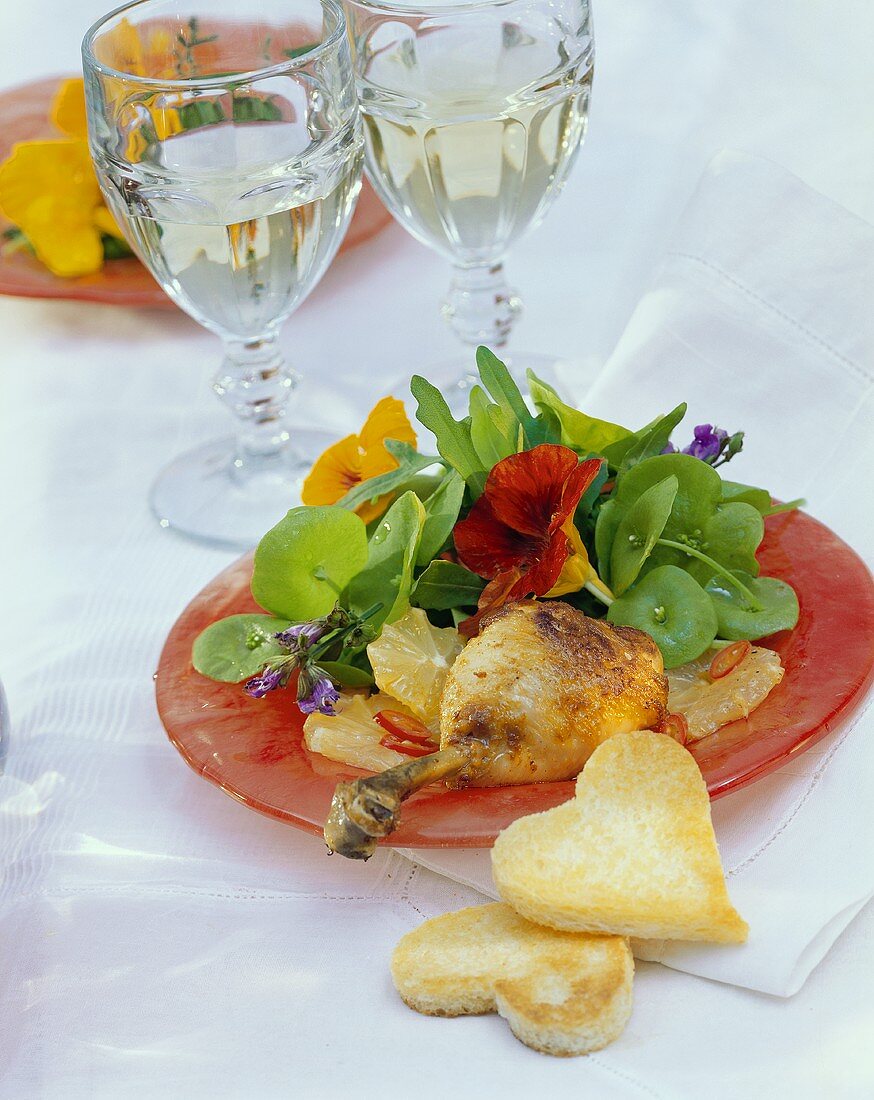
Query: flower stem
{"x": 715, "y": 566}
{"x": 598, "y": 593}
{"x": 324, "y": 644}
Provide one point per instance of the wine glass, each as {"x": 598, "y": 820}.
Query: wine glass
{"x": 227, "y": 142}
{"x": 473, "y": 116}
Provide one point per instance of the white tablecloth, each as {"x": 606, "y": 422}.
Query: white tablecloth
{"x": 133, "y": 960}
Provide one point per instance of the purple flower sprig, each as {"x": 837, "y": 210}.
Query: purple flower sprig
{"x": 267, "y": 680}
{"x": 711, "y": 445}
{"x": 316, "y": 691}
{"x": 305, "y": 644}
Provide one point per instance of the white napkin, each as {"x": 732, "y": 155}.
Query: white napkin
{"x": 761, "y": 317}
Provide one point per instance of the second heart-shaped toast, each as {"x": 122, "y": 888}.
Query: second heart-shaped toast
{"x": 560, "y": 992}
{"x": 633, "y": 854}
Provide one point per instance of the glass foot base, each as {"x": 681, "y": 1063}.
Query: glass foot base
{"x": 457, "y": 376}
{"x": 206, "y": 495}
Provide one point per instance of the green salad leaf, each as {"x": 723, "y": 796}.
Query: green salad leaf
{"x": 638, "y": 531}
{"x": 410, "y": 465}
{"x": 606, "y": 525}
{"x": 303, "y": 563}
{"x": 453, "y": 436}
{"x": 738, "y": 619}
{"x": 350, "y": 676}
{"x": 735, "y": 492}
{"x": 387, "y": 578}
{"x": 647, "y": 442}
{"x": 441, "y": 512}
{"x": 500, "y": 385}
{"x": 585, "y": 434}
{"x": 444, "y": 585}
{"x": 673, "y": 609}
{"x": 235, "y": 648}
{"x": 493, "y": 431}
{"x": 526, "y": 429}
{"x": 730, "y": 537}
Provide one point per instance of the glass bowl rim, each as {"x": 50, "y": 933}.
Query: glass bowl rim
{"x": 336, "y": 34}
{"x": 406, "y": 7}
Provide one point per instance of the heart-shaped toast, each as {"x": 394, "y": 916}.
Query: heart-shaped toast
{"x": 632, "y": 854}
{"x": 560, "y": 992}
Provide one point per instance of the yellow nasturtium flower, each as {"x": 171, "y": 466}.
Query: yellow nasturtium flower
{"x": 48, "y": 189}
{"x": 578, "y": 572}
{"x": 358, "y": 457}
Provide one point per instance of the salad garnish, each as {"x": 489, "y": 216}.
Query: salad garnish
{"x": 524, "y": 498}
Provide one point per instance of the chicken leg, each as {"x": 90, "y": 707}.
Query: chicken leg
{"x": 528, "y": 700}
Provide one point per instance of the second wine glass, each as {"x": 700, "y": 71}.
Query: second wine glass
{"x": 228, "y": 145}
{"x": 474, "y": 113}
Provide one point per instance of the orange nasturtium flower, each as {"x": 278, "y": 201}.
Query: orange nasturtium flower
{"x": 358, "y": 457}
{"x": 48, "y": 189}
{"x": 520, "y": 534}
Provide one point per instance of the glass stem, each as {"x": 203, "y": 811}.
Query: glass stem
{"x": 480, "y": 306}
{"x": 255, "y": 383}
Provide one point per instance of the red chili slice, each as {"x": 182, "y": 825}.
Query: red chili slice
{"x": 676, "y": 726}
{"x": 727, "y": 660}
{"x": 406, "y": 727}
{"x": 407, "y": 748}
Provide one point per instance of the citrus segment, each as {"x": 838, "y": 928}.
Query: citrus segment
{"x": 708, "y": 704}
{"x": 352, "y": 735}
{"x": 411, "y": 659}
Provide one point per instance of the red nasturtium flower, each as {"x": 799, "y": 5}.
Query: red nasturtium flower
{"x": 520, "y": 535}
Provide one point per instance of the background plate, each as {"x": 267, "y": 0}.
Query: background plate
{"x": 253, "y": 748}
{"x": 24, "y": 116}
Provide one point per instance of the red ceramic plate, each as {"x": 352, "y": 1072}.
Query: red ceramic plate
{"x": 253, "y": 749}
{"x": 24, "y": 116}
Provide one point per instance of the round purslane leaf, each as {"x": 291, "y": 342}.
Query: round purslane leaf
{"x": 305, "y": 561}
{"x": 699, "y": 489}
{"x": 731, "y": 538}
{"x": 236, "y": 648}
{"x": 673, "y": 609}
{"x": 736, "y": 616}
{"x": 735, "y": 491}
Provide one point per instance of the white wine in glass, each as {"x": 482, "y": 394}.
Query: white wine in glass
{"x": 474, "y": 114}
{"x": 228, "y": 145}
{"x": 238, "y": 264}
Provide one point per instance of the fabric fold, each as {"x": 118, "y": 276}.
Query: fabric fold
{"x": 760, "y": 317}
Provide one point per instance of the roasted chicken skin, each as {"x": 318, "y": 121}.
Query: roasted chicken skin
{"x": 541, "y": 687}
{"x": 528, "y": 700}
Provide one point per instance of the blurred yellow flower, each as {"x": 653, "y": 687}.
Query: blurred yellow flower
{"x": 138, "y": 51}
{"x": 359, "y": 457}
{"x": 68, "y": 109}
{"x": 48, "y": 189}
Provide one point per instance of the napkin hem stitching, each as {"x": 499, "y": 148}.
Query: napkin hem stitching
{"x": 854, "y": 368}
{"x": 123, "y": 890}
{"x": 802, "y": 799}
{"x": 599, "y": 1061}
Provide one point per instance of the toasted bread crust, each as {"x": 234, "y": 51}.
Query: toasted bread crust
{"x": 633, "y": 854}
{"x": 561, "y": 993}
